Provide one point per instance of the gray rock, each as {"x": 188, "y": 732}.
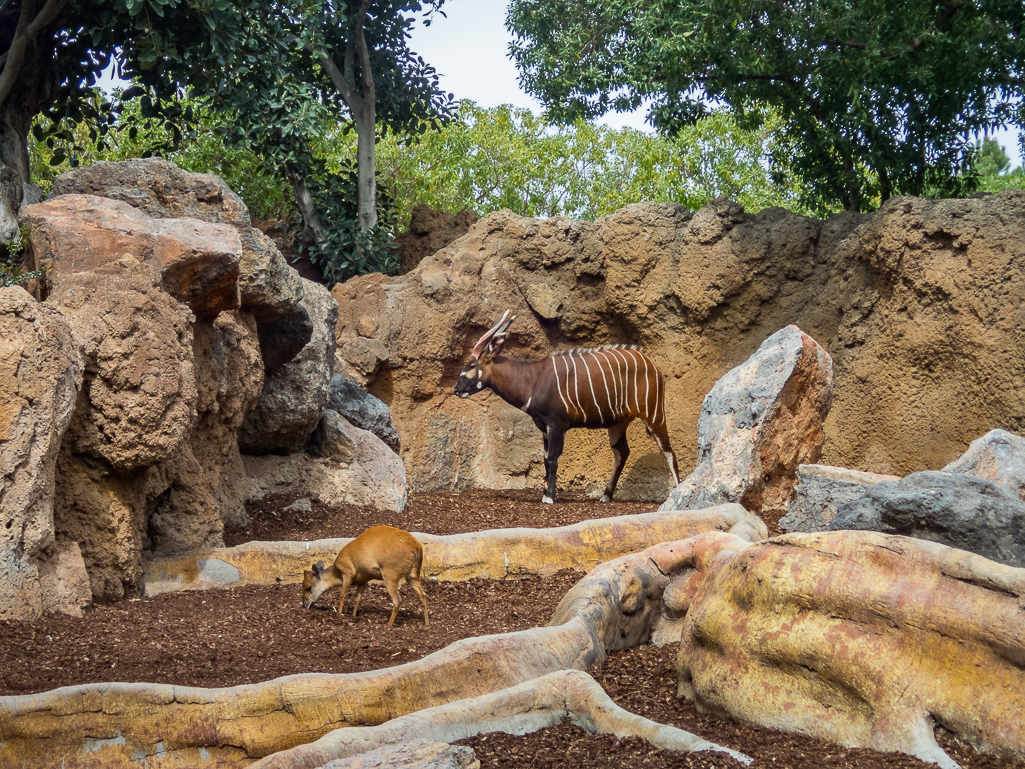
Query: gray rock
{"x": 295, "y": 394}
{"x": 364, "y": 410}
{"x": 961, "y": 511}
{"x": 820, "y": 491}
{"x": 758, "y": 424}
{"x": 997, "y": 456}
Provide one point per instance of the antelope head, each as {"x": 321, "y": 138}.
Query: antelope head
{"x": 476, "y": 373}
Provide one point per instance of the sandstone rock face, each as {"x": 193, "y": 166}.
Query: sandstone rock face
{"x": 146, "y": 262}
{"x": 363, "y": 410}
{"x": 430, "y": 230}
{"x": 758, "y": 424}
{"x": 269, "y": 287}
{"x": 193, "y": 261}
{"x": 860, "y": 639}
{"x": 998, "y": 456}
{"x": 40, "y": 376}
{"x": 295, "y": 394}
{"x": 820, "y": 491}
{"x": 915, "y": 304}
{"x": 138, "y": 401}
{"x": 957, "y": 510}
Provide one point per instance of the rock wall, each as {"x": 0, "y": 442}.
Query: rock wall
{"x": 920, "y": 307}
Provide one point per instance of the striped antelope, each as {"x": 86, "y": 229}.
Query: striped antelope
{"x": 606, "y": 387}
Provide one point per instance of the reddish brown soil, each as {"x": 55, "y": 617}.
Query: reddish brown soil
{"x": 251, "y": 634}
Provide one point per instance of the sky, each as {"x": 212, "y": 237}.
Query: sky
{"x": 470, "y": 50}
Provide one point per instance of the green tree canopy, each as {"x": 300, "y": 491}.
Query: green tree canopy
{"x": 282, "y": 70}
{"x": 878, "y": 98}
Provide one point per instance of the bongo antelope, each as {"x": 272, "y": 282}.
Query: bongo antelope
{"x": 605, "y": 387}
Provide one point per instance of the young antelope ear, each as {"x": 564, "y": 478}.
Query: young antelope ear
{"x": 318, "y": 568}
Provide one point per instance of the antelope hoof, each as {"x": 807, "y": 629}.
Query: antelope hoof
{"x": 547, "y": 500}
{"x": 605, "y": 498}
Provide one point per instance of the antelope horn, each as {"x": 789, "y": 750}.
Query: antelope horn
{"x": 498, "y": 328}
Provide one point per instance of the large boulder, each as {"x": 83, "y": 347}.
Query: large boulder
{"x": 363, "y": 410}
{"x": 40, "y": 376}
{"x": 195, "y": 262}
{"x": 758, "y": 425}
{"x": 345, "y": 466}
{"x": 916, "y": 304}
{"x": 962, "y": 511}
{"x": 820, "y": 491}
{"x": 857, "y": 638}
{"x": 269, "y": 288}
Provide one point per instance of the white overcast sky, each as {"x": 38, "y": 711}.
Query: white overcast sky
{"x": 470, "y": 50}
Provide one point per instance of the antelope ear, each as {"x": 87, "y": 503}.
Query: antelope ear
{"x": 318, "y": 568}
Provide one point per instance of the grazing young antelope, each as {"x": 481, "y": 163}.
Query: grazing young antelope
{"x": 606, "y": 387}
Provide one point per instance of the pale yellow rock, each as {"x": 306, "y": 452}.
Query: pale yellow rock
{"x": 861, "y": 639}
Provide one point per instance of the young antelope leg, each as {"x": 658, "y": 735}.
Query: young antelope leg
{"x": 346, "y": 584}
{"x": 419, "y": 588}
{"x": 359, "y": 594}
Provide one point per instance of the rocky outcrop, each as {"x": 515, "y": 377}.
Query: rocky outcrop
{"x": 429, "y": 231}
{"x": 164, "y": 287}
{"x": 40, "y": 377}
{"x": 998, "y": 456}
{"x": 758, "y": 424}
{"x": 915, "y": 304}
{"x": 363, "y": 410}
{"x": 856, "y": 638}
{"x": 962, "y": 511}
{"x": 343, "y": 466}
{"x": 820, "y": 491}
{"x": 295, "y": 394}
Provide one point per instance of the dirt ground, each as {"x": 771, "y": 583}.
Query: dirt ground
{"x": 251, "y": 634}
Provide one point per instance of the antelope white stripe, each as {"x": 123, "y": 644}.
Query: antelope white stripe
{"x": 558, "y": 385}
{"x": 590, "y": 381}
{"x": 608, "y": 396}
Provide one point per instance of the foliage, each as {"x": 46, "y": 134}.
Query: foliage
{"x": 877, "y": 98}
{"x": 11, "y": 273}
{"x": 994, "y": 168}
{"x": 261, "y": 62}
{"x": 512, "y": 158}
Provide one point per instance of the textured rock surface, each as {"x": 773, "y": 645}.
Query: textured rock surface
{"x": 820, "y": 491}
{"x": 958, "y": 510}
{"x": 861, "y": 639}
{"x": 40, "y": 376}
{"x": 758, "y": 424}
{"x": 195, "y": 262}
{"x": 353, "y": 467}
{"x": 997, "y": 456}
{"x": 269, "y": 287}
{"x": 916, "y": 305}
{"x": 295, "y": 394}
{"x": 430, "y": 230}
{"x": 363, "y": 410}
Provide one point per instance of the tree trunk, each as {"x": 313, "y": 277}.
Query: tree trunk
{"x": 366, "y": 165}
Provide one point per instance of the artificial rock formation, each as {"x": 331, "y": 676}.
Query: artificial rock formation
{"x": 998, "y": 456}
{"x": 962, "y": 511}
{"x": 856, "y": 638}
{"x": 820, "y": 491}
{"x": 915, "y": 304}
{"x": 164, "y": 286}
{"x": 112, "y": 724}
{"x": 40, "y": 376}
{"x": 758, "y": 425}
